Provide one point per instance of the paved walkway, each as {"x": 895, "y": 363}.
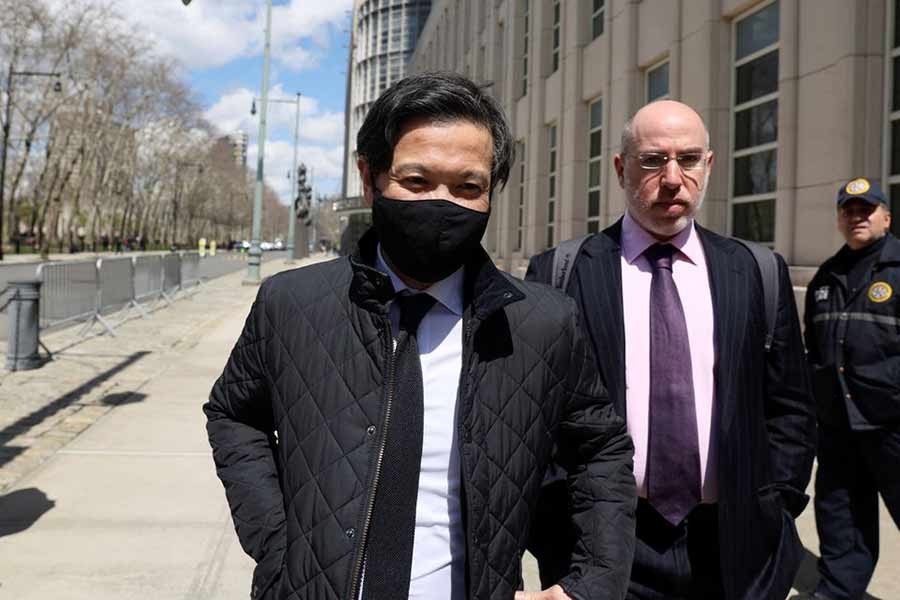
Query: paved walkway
{"x": 107, "y": 487}
{"x": 110, "y": 487}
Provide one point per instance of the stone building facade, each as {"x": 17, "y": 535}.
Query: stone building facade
{"x": 799, "y": 96}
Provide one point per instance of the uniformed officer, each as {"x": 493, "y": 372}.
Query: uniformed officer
{"x": 853, "y": 338}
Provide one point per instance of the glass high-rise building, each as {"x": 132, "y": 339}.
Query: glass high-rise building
{"x": 383, "y": 38}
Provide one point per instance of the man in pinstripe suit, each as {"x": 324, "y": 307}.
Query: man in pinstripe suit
{"x": 724, "y": 429}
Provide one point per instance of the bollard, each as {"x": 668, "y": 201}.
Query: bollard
{"x": 23, "y": 344}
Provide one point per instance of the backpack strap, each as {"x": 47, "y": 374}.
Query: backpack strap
{"x": 564, "y": 261}
{"x": 768, "y": 271}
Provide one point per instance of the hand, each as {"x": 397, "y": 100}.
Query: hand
{"x": 554, "y": 593}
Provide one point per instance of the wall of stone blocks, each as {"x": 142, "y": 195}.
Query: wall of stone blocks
{"x": 830, "y": 103}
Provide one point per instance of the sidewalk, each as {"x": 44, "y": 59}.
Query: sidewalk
{"x": 107, "y": 487}
{"x": 112, "y": 491}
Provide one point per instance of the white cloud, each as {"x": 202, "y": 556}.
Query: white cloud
{"x": 325, "y": 164}
{"x": 212, "y": 33}
{"x": 232, "y": 112}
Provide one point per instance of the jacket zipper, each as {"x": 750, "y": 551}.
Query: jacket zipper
{"x": 460, "y": 398}
{"x": 360, "y": 561}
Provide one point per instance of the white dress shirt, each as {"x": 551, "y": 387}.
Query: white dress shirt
{"x": 691, "y": 277}
{"x": 439, "y": 551}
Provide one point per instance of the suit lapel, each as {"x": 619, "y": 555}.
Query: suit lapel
{"x": 728, "y": 287}
{"x": 598, "y": 278}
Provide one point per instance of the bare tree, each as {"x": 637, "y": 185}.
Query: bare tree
{"x": 121, "y": 151}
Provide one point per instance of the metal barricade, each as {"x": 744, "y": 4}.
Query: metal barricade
{"x": 171, "y": 276}
{"x": 68, "y": 292}
{"x": 116, "y": 284}
{"x": 190, "y": 269}
{"x": 148, "y": 278}
{"x": 88, "y": 291}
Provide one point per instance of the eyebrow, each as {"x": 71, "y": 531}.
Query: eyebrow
{"x": 696, "y": 150}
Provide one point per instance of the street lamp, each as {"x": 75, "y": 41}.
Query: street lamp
{"x": 176, "y": 192}
{"x": 296, "y": 102}
{"x": 7, "y": 128}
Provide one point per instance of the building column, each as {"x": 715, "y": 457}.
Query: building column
{"x": 788, "y": 97}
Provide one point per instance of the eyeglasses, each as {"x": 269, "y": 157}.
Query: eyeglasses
{"x": 654, "y": 161}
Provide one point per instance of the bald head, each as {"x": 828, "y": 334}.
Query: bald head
{"x": 663, "y": 195}
{"x": 669, "y": 114}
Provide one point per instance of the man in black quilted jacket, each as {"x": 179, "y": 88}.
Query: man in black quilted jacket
{"x": 385, "y": 420}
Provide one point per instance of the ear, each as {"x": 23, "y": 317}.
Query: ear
{"x": 709, "y": 160}
{"x": 366, "y": 176}
{"x": 619, "y": 163}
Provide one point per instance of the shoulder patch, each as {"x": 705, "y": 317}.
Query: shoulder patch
{"x": 880, "y": 291}
{"x": 821, "y": 293}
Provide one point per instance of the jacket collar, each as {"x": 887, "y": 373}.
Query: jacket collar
{"x": 891, "y": 251}
{"x": 485, "y": 288}
{"x": 371, "y": 289}
{"x": 608, "y": 240}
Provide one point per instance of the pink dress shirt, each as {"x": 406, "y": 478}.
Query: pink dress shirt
{"x": 692, "y": 280}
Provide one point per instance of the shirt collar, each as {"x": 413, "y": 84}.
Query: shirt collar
{"x": 447, "y": 291}
{"x": 636, "y": 240}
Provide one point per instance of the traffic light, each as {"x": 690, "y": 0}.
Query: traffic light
{"x": 300, "y": 209}
{"x": 301, "y": 176}
{"x": 304, "y": 194}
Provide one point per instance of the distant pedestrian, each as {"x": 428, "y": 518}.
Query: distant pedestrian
{"x": 384, "y": 421}
{"x": 853, "y": 338}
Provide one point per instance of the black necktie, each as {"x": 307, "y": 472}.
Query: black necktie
{"x": 673, "y": 461}
{"x": 390, "y": 547}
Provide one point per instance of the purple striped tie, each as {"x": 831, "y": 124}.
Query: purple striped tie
{"x": 673, "y": 461}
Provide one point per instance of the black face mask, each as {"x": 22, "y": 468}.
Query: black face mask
{"x": 427, "y": 239}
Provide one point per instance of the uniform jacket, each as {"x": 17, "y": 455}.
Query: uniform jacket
{"x": 853, "y": 341}
{"x": 764, "y": 416}
{"x": 296, "y": 421}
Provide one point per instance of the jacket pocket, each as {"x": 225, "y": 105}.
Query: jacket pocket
{"x": 877, "y": 389}
{"x": 266, "y": 573}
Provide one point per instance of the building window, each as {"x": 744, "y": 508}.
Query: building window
{"x": 657, "y": 81}
{"x": 755, "y": 125}
{"x": 552, "y": 182}
{"x": 595, "y": 145}
{"x": 597, "y": 13}
{"x": 526, "y": 23}
{"x": 520, "y": 222}
{"x": 556, "y": 36}
{"x": 892, "y": 157}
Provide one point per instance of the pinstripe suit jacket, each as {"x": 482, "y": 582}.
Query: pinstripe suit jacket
{"x": 764, "y": 416}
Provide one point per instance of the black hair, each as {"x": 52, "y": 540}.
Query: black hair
{"x": 442, "y": 97}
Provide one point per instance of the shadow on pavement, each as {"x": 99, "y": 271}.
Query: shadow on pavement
{"x": 808, "y": 576}
{"x": 35, "y": 418}
{"x": 21, "y": 509}
{"x": 120, "y": 398}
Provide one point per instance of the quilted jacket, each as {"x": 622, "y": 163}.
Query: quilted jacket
{"x": 296, "y": 420}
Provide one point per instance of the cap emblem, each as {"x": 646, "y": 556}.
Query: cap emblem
{"x": 858, "y": 186}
